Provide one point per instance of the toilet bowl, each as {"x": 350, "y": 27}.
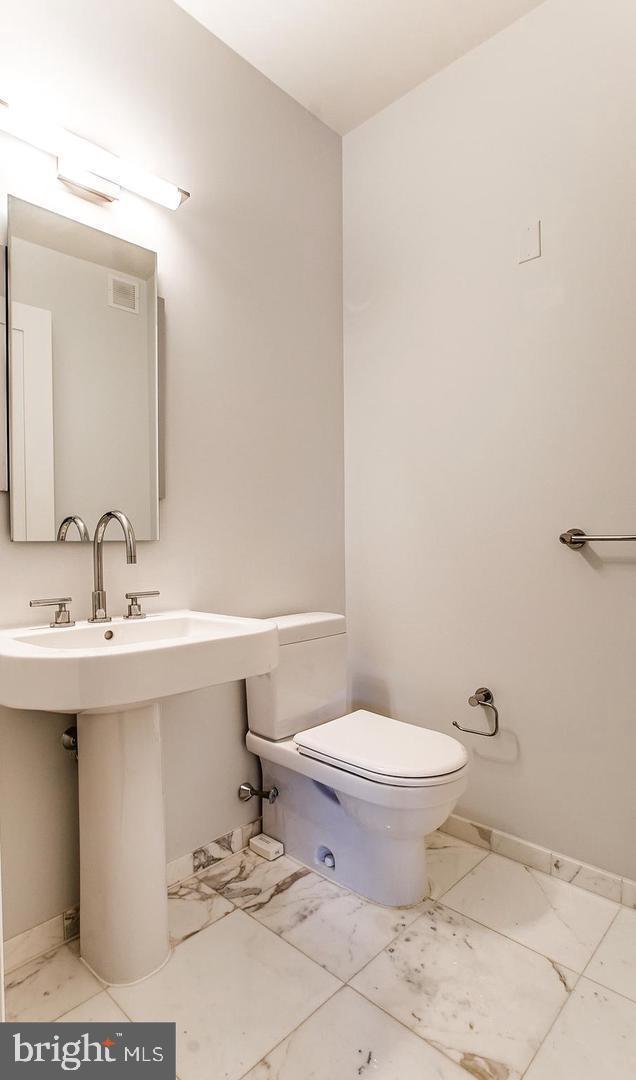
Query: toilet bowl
{"x": 357, "y": 792}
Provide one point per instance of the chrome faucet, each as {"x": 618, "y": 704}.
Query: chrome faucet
{"x": 100, "y": 613}
{"x": 80, "y": 524}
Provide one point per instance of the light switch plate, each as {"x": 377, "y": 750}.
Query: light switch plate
{"x": 530, "y": 242}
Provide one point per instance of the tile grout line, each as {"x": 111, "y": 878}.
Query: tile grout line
{"x": 411, "y": 1031}
{"x": 429, "y": 900}
{"x": 506, "y": 937}
{"x": 552, "y": 856}
{"x": 601, "y": 942}
{"x": 116, "y": 1003}
{"x": 550, "y": 1029}
{"x": 490, "y": 929}
{"x": 465, "y": 875}
{"x": 609, "y": 989}
{"x": 347, "y": 892}
{"x": 400, "y": 932}
{"x": 294, "y": 1029}
{"x": 579, "y": 977}
{"x": 40, "y": 956}
{"x": 523, "y": 945}
{"x": 91, "y": 997}
{"x": 350, "y": 892}
{"x": 436, "y": 1046}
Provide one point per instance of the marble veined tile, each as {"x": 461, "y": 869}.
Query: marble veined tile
{"x": 253, "y": 828}
{"x": 50, "y": 986}
{"x": 463, "y": 829}
{"x": 586, "y": 877}
{"x": 192, "y": 906}
{"x": 449, "y": 859}
{"x": 555, "y": 918}
{"x": 217, "y": 850}
{"x": 594, "y": 1037}
{"x": 247, "y": 878}
{"x": 338, "y": 929}
{"x": 235, "y": 991}
{"x": 614, "y": 962}
{"x": 483, "y": 1000}
{"x": 98, "y": 1009}
{"x": 348, "y": 1038}
{"x": 335, "y": 927}
{"x": 34, "y": 942}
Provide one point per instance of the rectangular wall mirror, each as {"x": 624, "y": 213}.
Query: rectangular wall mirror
{"x": 83, "y": 414}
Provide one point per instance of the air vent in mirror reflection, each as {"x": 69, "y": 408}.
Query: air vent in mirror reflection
{"x": 123, "y": 293}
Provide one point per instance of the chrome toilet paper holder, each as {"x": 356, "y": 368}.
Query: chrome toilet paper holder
{"x": 483, "y": 696}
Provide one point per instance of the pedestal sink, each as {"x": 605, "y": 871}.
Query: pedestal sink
{"x": 113, "y": 675}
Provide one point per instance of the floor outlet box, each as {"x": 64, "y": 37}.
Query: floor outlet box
{"x": 267, "y": 847}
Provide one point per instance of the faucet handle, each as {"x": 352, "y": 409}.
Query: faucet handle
{"x": 62, "y": 616}
{"x": 134, "y": 607}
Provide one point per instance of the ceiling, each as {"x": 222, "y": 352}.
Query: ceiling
{"x": 344, "y": 60}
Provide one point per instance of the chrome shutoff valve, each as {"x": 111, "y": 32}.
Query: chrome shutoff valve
{"x": 247, "y": 791}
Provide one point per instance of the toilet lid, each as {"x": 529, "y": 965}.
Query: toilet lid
{"x": 366, "y": 743}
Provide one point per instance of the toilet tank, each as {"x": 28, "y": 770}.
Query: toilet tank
{"x": 309, "y": 686}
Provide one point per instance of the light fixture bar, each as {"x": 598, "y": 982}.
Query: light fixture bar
{"x": 83, "y": 164}
{"x": 71, "y": 172}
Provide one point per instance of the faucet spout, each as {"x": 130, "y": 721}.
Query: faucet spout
{"x": 80, "y": 524}
{"x": 99, "y": 609}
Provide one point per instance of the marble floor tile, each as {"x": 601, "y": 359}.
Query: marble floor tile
{"x": 335, "y": 927}
{"x": 246, "y": 877}
{"x": 594, "y": 1037}
{"x": 348, "y": 1038}
{"x": 235, "y": 991}
{"x": 48, "y": 987}
{"x": 483, "y": 1000}
{"x": 98, "y": 1009}
{"x": 557, "y": 919}
{"x": 614, "y": 962}
{"x": 192, "y": 906}
{"x": 449, "y": 859}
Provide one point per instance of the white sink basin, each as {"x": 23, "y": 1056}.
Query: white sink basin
{"x": 79, "y": 668}
{"x": 114, "y": 675}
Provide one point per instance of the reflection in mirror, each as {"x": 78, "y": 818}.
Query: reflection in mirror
{"x": 82, "y": 377}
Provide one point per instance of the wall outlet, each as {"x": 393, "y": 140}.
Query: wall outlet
{"x": 530, "y": 242}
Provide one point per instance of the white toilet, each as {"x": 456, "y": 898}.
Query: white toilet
{"x": 357, "y": 792}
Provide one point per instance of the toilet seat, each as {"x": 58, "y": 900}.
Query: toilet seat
{"x": 384, "y": 750}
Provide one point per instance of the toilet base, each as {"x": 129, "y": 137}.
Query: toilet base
{"x": 309, "y": 819}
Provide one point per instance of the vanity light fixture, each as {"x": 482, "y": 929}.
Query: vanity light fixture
{"x": 83, "y": 164}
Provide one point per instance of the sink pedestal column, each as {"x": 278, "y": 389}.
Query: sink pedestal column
{"x": 123, "y": 893}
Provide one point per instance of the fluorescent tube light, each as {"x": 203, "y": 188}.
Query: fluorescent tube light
{"x": 85, "y": 165}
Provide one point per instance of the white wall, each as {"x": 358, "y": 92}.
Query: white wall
{"x": 250, "y": 271}
{"x": 490, "y": 406}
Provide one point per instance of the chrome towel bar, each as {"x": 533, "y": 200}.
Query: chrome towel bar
{"x": 577, "y": 538}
